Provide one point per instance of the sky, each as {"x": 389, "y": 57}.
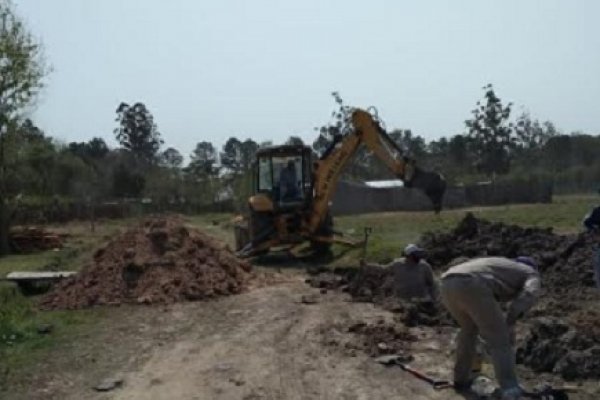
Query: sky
{"x": 264, "y": 69}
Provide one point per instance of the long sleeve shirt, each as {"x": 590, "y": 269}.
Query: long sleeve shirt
{"x": 414, "y": 280}
{"x": 510, "y": 281}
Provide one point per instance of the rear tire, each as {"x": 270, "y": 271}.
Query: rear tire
{"x": 242, "y": 236}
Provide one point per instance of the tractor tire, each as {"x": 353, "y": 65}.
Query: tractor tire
{"x": 260, "y": 222}
{"x": 242, "y": 236}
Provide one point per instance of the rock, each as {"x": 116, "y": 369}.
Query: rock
{"x": 224, "y": 367}
{"x": 45, "y": 329}
{"x": 109, "y": 384}
{"x": 309, "y": 299}
{"x": 382, "y": 346}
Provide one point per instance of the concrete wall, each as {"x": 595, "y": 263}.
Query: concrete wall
{"x": 357, "y": 198}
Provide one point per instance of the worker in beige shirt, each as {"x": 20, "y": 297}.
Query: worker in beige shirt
{"x": 413, "y": 277}
{"x": 472, "y": 292}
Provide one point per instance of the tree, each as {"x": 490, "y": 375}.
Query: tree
{"x": 334, "y": 130}
{"x": 22, "y": 69}
{"x": 533, "y": 135}
{"x": 413, "y": 146}
{"x": 203, "y": 160}
{"x": 231, "y": 154}
{"x": 237, "y": 156}
{"x": 95, "y": 149}
{"x": 127, "y": 182}
{"x": 492, "y": 136}
{"x": 137, "y": 132}
{"x": 249, "y": 148}
{"x": 295, "y": 140}
{"x": 171, "y": 158}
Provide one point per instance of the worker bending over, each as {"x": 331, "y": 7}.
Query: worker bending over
{"x": 471, "y": 291}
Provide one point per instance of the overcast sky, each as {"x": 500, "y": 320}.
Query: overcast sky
{"x": 264, "y": 69}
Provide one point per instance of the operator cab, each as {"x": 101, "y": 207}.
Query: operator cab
{"x": 284, "y": 174}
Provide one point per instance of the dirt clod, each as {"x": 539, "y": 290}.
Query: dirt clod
{"x": 553, "y": 345}
{"x": 158, "y": 261}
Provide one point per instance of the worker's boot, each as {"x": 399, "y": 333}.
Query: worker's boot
{"x": 514, "y": 393}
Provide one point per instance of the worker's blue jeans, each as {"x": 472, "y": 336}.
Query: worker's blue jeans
{"x": 597, "y": 266}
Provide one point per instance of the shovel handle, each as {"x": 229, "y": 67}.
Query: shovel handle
{"x": 437, "y": 384}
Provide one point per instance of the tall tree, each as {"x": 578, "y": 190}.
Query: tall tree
{"x": 137, "y": 132}
{"x": 203, "y": 160}
{"x": 249, "y": 148}
{"x": 171, "y": 158}
{"x": 492, "y": 136}
{"x": 237, "y": 156}
{"x": 22, "y": 69}
{"x": 231, "y": 154}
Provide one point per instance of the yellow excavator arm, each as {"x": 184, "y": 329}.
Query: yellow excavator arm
{"x": 368, "y": 132}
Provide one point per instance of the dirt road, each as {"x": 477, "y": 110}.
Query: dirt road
{"x": 264, "y": 344}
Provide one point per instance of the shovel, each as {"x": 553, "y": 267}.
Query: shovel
{"x": 437, "y": 384}
{"x": 367, "y": 232}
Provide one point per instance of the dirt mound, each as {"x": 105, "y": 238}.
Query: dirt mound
{"x": 564, "y": 260}
{"x": 565, "y": 340}
{"x": 475, "y": 237}
{"x": 569, "y": 350}
{"x": 158, "y": 261}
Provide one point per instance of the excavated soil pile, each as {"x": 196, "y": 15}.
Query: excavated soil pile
{"x": 475, "y": 237}
{"x": 565, "y": 339}
{"x": 571, "y": 350}
{"x": 158, "y": 261}
{"x": 565, "y": 261}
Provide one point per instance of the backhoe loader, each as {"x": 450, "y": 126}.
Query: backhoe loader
{"x": 292, "y": 192}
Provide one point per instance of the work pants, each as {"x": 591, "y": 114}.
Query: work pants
{"x": 472, "y": 304}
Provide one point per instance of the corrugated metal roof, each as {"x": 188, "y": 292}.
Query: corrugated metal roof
{"x": 385, "y": 183}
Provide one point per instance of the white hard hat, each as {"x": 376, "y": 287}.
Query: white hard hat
{"x": 413, "y": 249}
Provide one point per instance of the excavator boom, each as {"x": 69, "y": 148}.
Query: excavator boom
{"x": 368, "y": 132}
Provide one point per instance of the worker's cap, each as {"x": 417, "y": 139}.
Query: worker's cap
{"x": 413, "y": 249}
{"x": 527, "y": 261}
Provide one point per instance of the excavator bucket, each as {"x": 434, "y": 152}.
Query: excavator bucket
{"x": 432, "y": 184}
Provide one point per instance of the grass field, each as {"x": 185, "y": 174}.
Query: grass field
{"x": 392, "y": 231}
{"x": 20, "y": 343}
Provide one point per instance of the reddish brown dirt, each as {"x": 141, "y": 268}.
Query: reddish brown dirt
{"x": 157, "y": 261}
